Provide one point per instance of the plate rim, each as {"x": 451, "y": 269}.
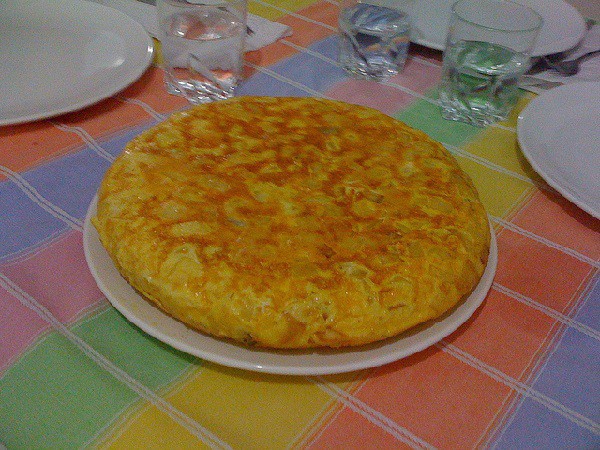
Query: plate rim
{"x": 466, "y": 309}
{"x": 560, "y": 46}
{"x": 109, "y": 90}
{"x": 527, "y": 115}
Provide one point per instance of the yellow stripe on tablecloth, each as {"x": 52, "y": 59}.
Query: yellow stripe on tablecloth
{"x": 274, "y": 12}
{"x": 500, "y": 192}
{"x": 247, "y": 410}
{"x": 151, "y": 428}
{"x": 499, "y": 145}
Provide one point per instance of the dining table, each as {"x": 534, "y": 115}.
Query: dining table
{"x": 522, "y": 370}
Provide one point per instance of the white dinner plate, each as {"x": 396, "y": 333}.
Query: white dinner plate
{"x": 563, "y": 26}
{"x": 559, "y": 133}
{"x": 63, "y": 55}
{"x": 312, "y": 362}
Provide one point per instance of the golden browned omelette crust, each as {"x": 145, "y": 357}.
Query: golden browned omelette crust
{"x": 293, "y": 222}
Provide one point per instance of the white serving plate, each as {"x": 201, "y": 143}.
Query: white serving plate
{"x": 61, "y": 56}
{"x": 563, "y": 26}
{"x": 312, "y": 362}
{"x": 559, "y": 133}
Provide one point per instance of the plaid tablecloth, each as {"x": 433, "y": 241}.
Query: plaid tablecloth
{"x": 523, "y": 372}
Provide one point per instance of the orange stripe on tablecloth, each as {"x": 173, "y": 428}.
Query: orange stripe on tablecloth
{"x": 105, "y": 118}
{"x": 150, "y": 89}
{"x": 343, "y": 431}
{"x": 504, "y": 333}
{"x": 28, "y": 145}
{"x": 117, "y": 113}
{"x": 555, "y": 218}
{"x": 349, "y": 382}
{"x": 545, "y": 274}
{"x": 303, "y": 34}
{"x": 431, "y": 395}
{"x": 25, "y": 146}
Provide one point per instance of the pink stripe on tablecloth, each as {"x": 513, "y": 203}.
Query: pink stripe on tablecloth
{"x": 367, "y": 93}
{"x": 19, "y": 327}
{"x": 57, "y": 277}
{"x": 419, "y": 75}
{"x": 410, "y": 85}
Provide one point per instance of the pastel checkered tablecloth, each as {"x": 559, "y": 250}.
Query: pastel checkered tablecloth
{"x": 523, "y": 372}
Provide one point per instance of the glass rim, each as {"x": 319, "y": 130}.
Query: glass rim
{"x": 534, "y": 13}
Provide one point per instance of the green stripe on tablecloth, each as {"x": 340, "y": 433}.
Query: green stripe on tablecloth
{"x": 56, "y": 397}
{"x": 426, "y": 117}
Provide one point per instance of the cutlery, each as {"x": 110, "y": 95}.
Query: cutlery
{"x": 567, "y": 67}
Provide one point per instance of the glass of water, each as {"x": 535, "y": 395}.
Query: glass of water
{"x": 487, "y": 51}
{"x": 374, "y": 37}
{"x": 202, "y": 47}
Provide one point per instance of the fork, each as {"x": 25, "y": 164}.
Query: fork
{"x": 569, "y": 67}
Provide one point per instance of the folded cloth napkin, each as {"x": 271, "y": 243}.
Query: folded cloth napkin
{"x": 264, "y": 32}
{"x": 588, "y": 71}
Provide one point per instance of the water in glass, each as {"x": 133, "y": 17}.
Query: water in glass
{"x": 374, "y": 40}
{"x": 480, "y": 81}
{"x": 202, "y": 53}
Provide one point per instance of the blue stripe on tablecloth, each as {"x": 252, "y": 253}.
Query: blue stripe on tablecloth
{"x": 589, "y": 313}
{"x": 72, "y": 181}
{"x": 325, "y": 74}
{"x": 535, "y": 427}
{"x": 570, "y": 375}
{"x": 327, "y": 47}
{"x": 294, "y": 68}
{"x": 24, "y": 225}
{"x": 45, "y": 201}
{"x": 263, "y": 84}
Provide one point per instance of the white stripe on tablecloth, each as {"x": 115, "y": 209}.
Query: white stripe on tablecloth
{"x": 286, "y": 80}
{"x": 535, "y": 237}
{"x": 296, "y": 15}
{"x": 550, "y": 312}
{"x": 85, "y": 137}
{"x": 37, "y": 198}
{"x": 178, "y": 416}
{"x": 521, "y": 388}
{"x": 145, "y": 106}
{"x": 491, "y": 165}
{"x": 516, "y": 403}
{"x": 372, "y": 415}
{"x": 335, "y": 63}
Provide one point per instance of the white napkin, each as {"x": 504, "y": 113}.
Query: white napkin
{"x": 265, "y": 32}
{"x": 589, "y": 69}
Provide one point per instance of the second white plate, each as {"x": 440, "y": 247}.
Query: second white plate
{"x": 311, "y": 362}
{"x": 61, "y": 56}
{"x": 563, "y": 26}
{"x": 559, "y": 134}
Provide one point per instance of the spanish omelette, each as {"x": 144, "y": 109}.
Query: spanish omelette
{"x": 293, "y": 222}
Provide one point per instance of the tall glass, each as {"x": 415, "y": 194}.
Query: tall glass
{"x": 202, "y": 46}
{"x": 374, "y": 37}
{"x": 487, "y": 51}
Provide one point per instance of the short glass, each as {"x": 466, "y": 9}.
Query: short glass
{"x": 487, "y": 51}
{"x": 202, "y": 47}
{"x": 374, "y": 37}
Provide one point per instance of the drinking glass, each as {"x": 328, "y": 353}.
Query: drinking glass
{"x": 374, "y": 37}
{"x": 202, "y": 46}
{"x": 487, "y": 51}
